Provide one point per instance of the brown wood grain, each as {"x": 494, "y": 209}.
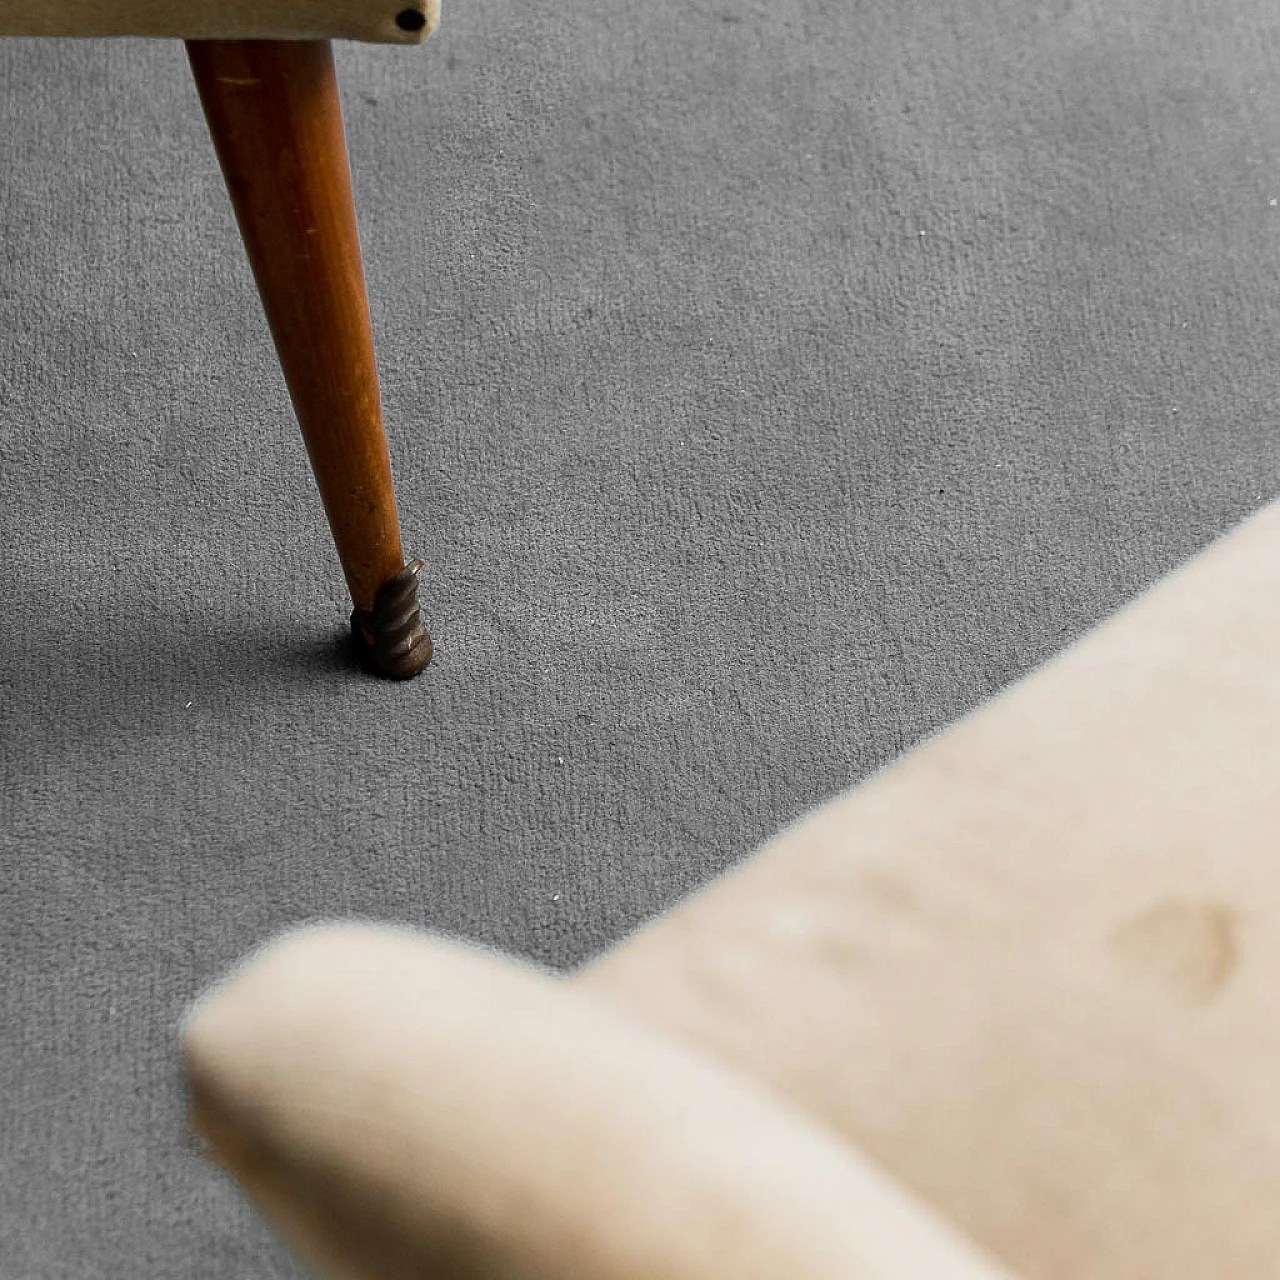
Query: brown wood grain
{"x": 274, "y": 113}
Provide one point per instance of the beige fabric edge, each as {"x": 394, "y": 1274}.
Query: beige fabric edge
{"x": 219, "y": 19}
{"x": 398, "y": 1105}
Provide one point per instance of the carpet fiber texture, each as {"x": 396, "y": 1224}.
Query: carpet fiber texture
{"x": 767, "y": 385}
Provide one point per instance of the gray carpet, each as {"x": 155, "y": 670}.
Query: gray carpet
{"x": 768, "y": 384}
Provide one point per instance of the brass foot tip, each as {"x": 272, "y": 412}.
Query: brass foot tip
{"x": 391, "y": 635}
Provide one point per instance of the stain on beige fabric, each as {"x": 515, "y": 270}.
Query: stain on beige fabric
{"x": 1187, "y": 947}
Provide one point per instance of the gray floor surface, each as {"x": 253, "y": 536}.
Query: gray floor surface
{"x": 767, "y": 384}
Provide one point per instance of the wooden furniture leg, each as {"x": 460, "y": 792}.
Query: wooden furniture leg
{"x": 273, "y": 110}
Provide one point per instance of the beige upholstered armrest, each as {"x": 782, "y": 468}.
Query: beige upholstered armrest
{"x": 401, "y": 1106}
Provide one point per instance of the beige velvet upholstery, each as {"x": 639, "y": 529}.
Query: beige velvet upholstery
{"x": 373, "y": 20}
{"x": 1026, "y": 971}
{"x": 405, "y": 1107}
{"x": 1032, "y": 968}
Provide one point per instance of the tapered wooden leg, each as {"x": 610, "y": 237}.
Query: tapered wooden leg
{"x": 276, "y": 121}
